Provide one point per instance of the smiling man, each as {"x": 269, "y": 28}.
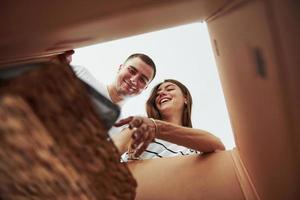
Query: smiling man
{"x": 133, "y": 76}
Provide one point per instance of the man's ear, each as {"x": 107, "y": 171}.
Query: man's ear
{"x": 120, "y": 67}
{"x": 147, "y": 85}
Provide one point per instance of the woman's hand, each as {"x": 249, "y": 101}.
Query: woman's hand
{"x": 144, "y": 131}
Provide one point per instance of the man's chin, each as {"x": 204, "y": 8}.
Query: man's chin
{"x": 130, "y": 94}
{"x": 127, "y": 93}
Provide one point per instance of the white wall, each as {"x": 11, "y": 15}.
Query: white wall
{"x": 183, "y": 53}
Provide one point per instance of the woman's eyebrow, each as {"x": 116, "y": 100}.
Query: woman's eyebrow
{"x": 170, "y": 85}
{"x": 166, "y": 87}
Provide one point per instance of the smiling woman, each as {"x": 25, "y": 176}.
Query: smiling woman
{"x": 167, "y": 101}
{"x": 168, "y": 131}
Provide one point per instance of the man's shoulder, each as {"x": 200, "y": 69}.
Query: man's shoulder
{"x": 85, "y": 75}
{"x": 79, "y": 70}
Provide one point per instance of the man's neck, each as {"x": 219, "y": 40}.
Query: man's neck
{"x": 113, "y": 93}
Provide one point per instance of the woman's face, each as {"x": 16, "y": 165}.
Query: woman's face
{"x": 169, "y": 98}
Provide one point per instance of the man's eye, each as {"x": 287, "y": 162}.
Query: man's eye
{"x": 131, "y": 71}
{"x": 143, "y": 81}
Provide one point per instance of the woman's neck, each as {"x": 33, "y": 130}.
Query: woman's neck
{"x": 174, "y": 118}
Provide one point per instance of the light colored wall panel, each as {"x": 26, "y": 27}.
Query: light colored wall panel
{"x": 253, "y": 84}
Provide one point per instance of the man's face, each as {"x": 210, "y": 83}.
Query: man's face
{"x": 133, "y": 77}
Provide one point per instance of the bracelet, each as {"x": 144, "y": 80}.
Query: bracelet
{"x": 156, "y": 127}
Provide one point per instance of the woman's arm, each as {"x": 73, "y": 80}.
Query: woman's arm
{"x": 144, "y": 130}
{"x": 196, "y": 139}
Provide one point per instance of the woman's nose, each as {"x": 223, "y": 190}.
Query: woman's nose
{"x": 161, "y": 93}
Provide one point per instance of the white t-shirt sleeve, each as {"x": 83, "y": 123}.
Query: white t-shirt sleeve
{"x": 87, "y": 77}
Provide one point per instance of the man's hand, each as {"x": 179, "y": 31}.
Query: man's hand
{"x": 144, "y": 130}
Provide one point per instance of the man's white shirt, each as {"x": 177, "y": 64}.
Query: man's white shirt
{"x": 88, "y": 78}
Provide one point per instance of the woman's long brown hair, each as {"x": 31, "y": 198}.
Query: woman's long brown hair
{"x": 153, "y": 112}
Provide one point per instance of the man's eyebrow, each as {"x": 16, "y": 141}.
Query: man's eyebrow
{"x": 132, "y": 67}
{"x": 143, "y": 75}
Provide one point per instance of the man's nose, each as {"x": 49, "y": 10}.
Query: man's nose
{"x": 134, "y": 79}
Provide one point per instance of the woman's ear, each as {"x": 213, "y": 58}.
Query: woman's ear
{"x": 185, "y": 100}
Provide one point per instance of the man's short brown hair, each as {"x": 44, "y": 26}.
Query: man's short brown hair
{"x": 145, "y": 59}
